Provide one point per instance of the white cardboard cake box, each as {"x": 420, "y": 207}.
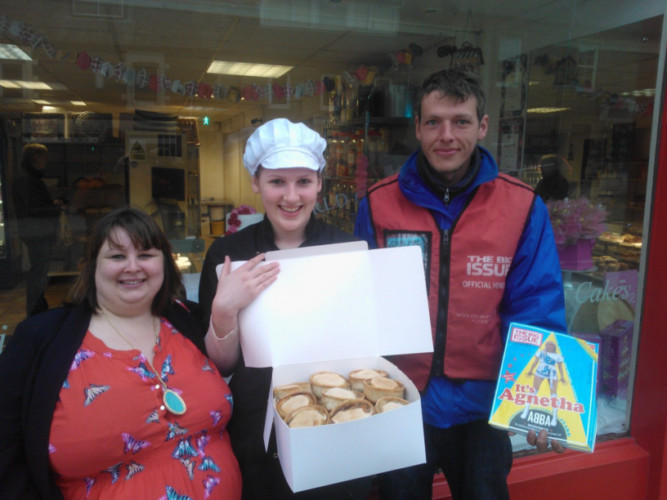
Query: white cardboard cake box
{"x": 341, "y": 311}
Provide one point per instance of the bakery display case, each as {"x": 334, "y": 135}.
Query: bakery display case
{"x": 614, "y": 251}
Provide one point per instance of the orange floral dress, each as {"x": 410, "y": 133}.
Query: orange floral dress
{"x": 112, "y": 438}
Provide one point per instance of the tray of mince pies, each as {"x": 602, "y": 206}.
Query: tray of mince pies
{"x": 332, "y": 398}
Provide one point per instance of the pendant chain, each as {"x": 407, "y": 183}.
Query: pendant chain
{"x": 172, "y": 400}
{"x": 156, "y": 333}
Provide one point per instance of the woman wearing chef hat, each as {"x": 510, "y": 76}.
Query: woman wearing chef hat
{"x": 285, "y": 161}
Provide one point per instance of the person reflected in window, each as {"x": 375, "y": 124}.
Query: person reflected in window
{"x": 37, "y": 222}
{"x": 553, "y": 185}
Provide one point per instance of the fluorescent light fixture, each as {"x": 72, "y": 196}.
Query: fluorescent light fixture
{"x": 639, "y": 93}
{"x": 13, "y": 53}
{"x": 248, "y": 69}
{"x": 546, "y": 110}
{"x": 44, "y": 102}
{"x": 30, "y": 85}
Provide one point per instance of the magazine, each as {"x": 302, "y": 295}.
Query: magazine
{"x": 548, "y": 380}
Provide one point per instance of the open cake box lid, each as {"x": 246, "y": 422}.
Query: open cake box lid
{"x": 340, "y": 303}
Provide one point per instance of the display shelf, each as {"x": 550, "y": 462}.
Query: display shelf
{"x": 91, "y": 179}
{"x": 360, "y": 152}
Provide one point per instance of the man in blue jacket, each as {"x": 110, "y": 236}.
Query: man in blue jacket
{"x": 490, "y": 259}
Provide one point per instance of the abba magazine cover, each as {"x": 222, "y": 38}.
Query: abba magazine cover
{"x": 547, "y": 381}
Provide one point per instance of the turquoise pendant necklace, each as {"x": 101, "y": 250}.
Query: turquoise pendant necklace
{"x": 173, "y": 402}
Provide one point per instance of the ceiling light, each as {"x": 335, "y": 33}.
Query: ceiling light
{"x": 78, "y": 103}
{"x": 13, "y": 53}
{"x": 546, "y": 110}
{"x": 41, "y": 102}
{"x": 248, "y": 69}
{"x": 30, "y": 85}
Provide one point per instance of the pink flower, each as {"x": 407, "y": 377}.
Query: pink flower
{"x": 576, "y": 219}
{"x": 233, "y": 221}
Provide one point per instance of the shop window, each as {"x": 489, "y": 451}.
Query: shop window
{"x": 120, "y": 101}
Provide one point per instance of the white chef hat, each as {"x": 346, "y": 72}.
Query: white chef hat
{"x": 280, "y": 143}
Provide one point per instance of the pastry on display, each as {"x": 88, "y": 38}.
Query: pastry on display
{"x": 606, "y": 263}
{"x": 308, "y": 416}
{"x": 354, "y": 409}
{"x": 389, "y": 403}
{"x": 333, "y": 396}
{"x": 381, "y": 387}
{"x": 357, "y": 377}
{"x": 287, "y": 389}
{"x": 287, "y": 404}
{"x": 329, "y": 398}
{"x": 325, "y": 380}
{"x": 632, "y": 238}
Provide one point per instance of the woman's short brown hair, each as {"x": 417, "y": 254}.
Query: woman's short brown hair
{"x": 144, "y": 234}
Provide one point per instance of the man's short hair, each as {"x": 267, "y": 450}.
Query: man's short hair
{"x": 452, "y": 82}
{"x": 33, "y": 151}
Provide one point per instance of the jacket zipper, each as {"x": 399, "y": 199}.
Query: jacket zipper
{"x": 438, "y": 363}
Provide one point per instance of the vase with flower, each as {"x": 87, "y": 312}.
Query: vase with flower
{"x": 576, "y": 224}
{"x": 240, "y": 217}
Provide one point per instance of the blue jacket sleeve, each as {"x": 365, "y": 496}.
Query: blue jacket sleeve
{"x": 534, "y": 289}
{"x": 363, "y": 228}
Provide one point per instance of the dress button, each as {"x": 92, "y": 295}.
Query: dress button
{"x": 162, "y": 408}
{"x": 157, "y": 386}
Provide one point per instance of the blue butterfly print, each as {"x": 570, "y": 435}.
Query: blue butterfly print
{"x": 132, "y": 469}
{"x": 114, "y": 470}
{"x": 209, "y": 483}
{"x": 172, "y": 494}
{"x": 167, "y": 369}
{"x": 133, "y": 445}
{"x": 184, "y": 449}
{"x": 230, "y": 399}
{"x": 175, "y": 430}
{"x": 52, "y": 448}
{"x": 92, "y": 391}
{"x": 65, "y": 385}
{"x": 89, "y": 484}
{"x": 142, "y": 371}
{"x": 207, "y": 367}
{"x": 154, "y": 417}
{"x": 216, "y": 415}
{"x": 207, "y": 463}
{"x": 80, "y": 356}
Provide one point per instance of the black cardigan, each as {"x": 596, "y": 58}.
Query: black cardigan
{"x": 262, "y": 475}
{"x": 33, "y": 368}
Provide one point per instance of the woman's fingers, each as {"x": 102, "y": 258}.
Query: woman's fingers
{"x": 237, "y": 288}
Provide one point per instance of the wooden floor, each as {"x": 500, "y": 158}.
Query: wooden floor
{"x": 12, "y": 302}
